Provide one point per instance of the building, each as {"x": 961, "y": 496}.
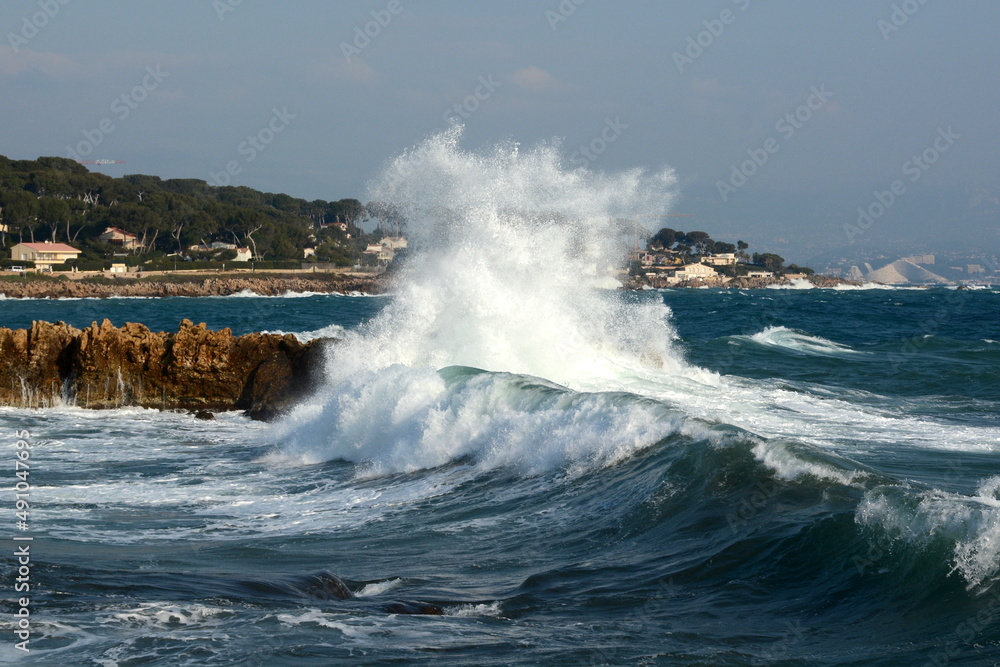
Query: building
{"x": 760, "y": 274}
{"x": 44, "y": 255}
{"x": 722, "y": 259}
{"x": 243, "y": 254}
{"x": 696, "y": 271}
{"x": 393, "y": 242}
{"x": 119, "y": 237}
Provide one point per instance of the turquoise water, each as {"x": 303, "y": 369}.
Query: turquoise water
{"x": 808, "y": 477}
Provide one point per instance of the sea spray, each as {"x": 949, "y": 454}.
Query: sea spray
{"x": 504, "y": 241}
{"x": 508, "y": 249}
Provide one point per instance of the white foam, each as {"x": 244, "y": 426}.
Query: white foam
{"x": 797, "y": 283}
{"x": 164, "y": 616}
{"x": 844, "y": 287}
{"x": 790, "y": 465}
{"x": 378, "y": 588}
{"x": 402, "y": 419}
{"x": 330, "y": 331}
{"x": 800, "y": 342}
{"x": 504, "y": 242}
{"x": 970, "y": 524}
{"x": 491, "y": 610}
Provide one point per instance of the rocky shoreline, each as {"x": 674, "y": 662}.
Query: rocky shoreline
{"x": 277, "y": 285}
{"x": 744, "y": 282}
{"x": 264, "y": 285}
{"x": 193, "y": 369}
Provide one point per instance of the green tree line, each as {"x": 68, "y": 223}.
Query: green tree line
{"x": 56, "y": 199}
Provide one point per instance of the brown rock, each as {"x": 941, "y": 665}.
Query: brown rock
{"x": 193, "y": 369}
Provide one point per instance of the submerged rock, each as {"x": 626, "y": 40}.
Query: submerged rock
{"x": 192, "y": 369}
{"x": 327, "y": 586}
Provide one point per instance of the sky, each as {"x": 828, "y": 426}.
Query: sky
{"x": 806, "y": 127}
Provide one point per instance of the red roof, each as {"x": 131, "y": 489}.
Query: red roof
{"x": 120, "y": 231}
{"x": 50, "y": 247}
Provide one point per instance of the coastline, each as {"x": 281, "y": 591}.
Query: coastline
{"x": 101, "y": 287}
{"x": 743, "y": 282}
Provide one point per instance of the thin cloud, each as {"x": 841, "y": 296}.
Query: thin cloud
{"x": 534, "y": 79}
{"x": 357, "y": 71}
{"x": 89, "y": 66}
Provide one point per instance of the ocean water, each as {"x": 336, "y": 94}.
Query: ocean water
{"x": 577, "y": 476}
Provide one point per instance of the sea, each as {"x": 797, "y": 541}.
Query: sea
{"x": 575, "y": 475}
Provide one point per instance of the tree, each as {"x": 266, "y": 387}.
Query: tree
{"x": 20, "y": 209}
{"x": 665, "y": 238}
{"x": 741, "y": 247}
{"x": 696, "y": 239}
{"x": 769, "y": 261}
{"x": 53, "y": 212}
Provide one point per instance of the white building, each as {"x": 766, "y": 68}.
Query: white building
{"x": 722, "y": 259}
{"x": 695, "y": 271}
{"x": 394, "y": 242}
{"x": 44, "y": 254}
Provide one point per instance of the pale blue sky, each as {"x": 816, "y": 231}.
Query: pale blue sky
{"x": 544, "y": 78}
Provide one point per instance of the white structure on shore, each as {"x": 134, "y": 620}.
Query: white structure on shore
{"x": 903, "y": 271}
{"x": 44, "y": 255}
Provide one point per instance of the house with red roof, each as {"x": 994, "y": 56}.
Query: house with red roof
{"x": 120, "y": 237}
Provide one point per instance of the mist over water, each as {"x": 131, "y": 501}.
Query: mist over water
{"x": 503, "y": 241}
{"x": 511, "y": 255}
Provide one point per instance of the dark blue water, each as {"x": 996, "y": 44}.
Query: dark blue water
{"x": 828, "y": 494}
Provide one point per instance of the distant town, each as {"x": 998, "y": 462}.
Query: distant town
{"x": 57, "y": 217}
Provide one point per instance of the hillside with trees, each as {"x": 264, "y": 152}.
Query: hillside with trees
{"x": 678, "y": 247}
{"x": 56, "y": 199}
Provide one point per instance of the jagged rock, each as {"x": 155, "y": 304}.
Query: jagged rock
{"x": 33, "y": 363}
{"x": 196, "y": 369}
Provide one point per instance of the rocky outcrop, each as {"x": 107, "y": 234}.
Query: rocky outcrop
{"x": 103, "y": 366}
{"x": 263, "y": 285}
